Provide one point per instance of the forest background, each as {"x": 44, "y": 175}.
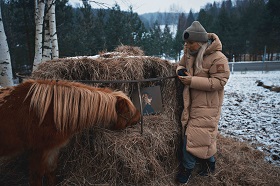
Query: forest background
{"x": 245, "y": 27}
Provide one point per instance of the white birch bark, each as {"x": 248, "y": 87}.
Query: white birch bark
{"x": 47, "y": 39}
{"x": 6, "y": 75}
{"x": 39, "y": 17}
{"x": 53, "y": 34}
{"x": 36, "y": 11}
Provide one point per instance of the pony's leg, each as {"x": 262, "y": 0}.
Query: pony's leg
{"x": 43, "y": 163}
{"x": 51, "y": 158}
{"x": 36, "y": 168}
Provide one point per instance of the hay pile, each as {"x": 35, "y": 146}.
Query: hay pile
{"x": 103, "y": 157}
{"x": 123, "y": 158}
{"x": 117, "y": 65}
{"x": 126, "y": 157}
{"x": 238, "y": 163}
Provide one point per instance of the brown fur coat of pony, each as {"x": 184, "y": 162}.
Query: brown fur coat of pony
{"x": 40, "y": 116}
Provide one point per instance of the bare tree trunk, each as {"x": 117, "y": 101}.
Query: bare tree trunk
{"x": 39, "y": 21}
{"x": 6, "y": 75}
{"x": 47, "y": 38}
{"x": 53, "y": 34}
{"x": 48, "y": 48}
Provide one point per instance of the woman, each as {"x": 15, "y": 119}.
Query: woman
{"x": 204, "y": 71}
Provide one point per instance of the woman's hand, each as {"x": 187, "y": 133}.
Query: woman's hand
{"x": 186, "y": 80}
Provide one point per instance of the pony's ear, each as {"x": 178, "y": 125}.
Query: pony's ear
{"x": 121, "y": 104}
{"x": 121, "y": 109}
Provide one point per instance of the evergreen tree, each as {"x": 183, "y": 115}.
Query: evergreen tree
{"x": 167, "y": 42}
{"x": 134, "y": 28}
{"x": 156, "y": 40}
{"x": 190, "y": 19}
{"x": 178, "y": 41}
{"x": 18, "y": 21}
{"x": 100, "y": 34}
{"x": 271, "y": 27}
{"x": 237, "y": 44}
{"x": 114, "y": 28}
{"x": 146, "y": 39}
{"x": 251, "y": 18}
{"x": 66, "y": 28}
{"x": 84, "y": 40}
{"x": 223, "y": 26}
{"x": 212, "y": 11}
{"x": 205, "y": 19}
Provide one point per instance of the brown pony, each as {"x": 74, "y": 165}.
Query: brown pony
{"x": 40, "y": 116}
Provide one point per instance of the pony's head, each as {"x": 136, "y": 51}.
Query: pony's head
{"x": 127, "y": 114}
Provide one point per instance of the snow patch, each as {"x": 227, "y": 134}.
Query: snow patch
{"x": 252, "y": 113}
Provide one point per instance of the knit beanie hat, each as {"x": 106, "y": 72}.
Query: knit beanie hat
{"x": 195, "y": 32}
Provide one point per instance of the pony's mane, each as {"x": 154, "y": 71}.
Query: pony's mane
{"x": 75, "y": 105}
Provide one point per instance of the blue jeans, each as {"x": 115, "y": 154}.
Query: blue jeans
{"x": 189, "y": 160}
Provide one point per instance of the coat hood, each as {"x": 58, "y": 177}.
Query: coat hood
{"x": 215, "y": 44}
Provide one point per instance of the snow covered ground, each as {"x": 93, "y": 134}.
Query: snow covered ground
{"x": 252, "y": 113}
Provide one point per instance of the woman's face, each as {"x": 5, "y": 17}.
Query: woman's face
{"x": 192, "y": 46}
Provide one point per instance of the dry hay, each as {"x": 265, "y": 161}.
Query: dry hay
{"x": 123, "y": 51}
{"x": 103, "y": 157}
{"x": 238, "y": 163}
{"x": 115, "y": 67}
{"x": 124, "y": 157}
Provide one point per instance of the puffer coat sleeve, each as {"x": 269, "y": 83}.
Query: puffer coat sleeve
{"x": 218, "y": 76}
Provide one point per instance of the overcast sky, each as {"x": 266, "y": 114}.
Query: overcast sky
{"x": 148, "y": 6}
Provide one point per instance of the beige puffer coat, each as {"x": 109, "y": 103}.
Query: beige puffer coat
{"x": 203, "y": 99}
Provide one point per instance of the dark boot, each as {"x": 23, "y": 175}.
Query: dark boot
{"x": 184, "y": 175}
{"x": 207, "y": 168}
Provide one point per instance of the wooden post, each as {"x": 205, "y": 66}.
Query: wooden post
{"x": 141, "y": 109}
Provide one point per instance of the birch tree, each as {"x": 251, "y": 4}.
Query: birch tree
{"x": 46, "y": 45}
{"x": 39, "y": 21}
{"x": 47, "y": 38}
{"x": 52, "y": 27}
{"x": 6, "y": 75}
